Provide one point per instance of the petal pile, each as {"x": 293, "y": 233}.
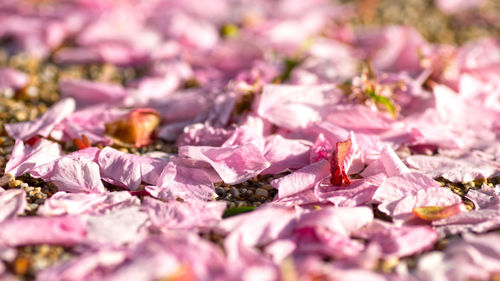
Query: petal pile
{"x": 250, "y": 140}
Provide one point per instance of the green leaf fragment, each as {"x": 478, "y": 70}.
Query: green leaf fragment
{"x": 386, "y": 102}
{"x": 230, "y": 30}
{"x": 236, "y": 211}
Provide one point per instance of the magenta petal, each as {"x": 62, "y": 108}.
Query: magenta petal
{"x": 44, "y": 124}
{"x": 23, "y": 231}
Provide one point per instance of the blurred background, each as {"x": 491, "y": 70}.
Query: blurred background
{"x": 440, "y": 21}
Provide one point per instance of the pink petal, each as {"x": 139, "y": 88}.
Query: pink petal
{"x": 76, "y": 176}
{"x": 358, "y": 118}
{"x": 339, "y": 220}
{"x": 398, "y": 187}
{"x": 25, "y": 157}
{"x": 234, "y": 164}
{"x": 84, "y": 265}
{"x": 399, "y": 241}
{"x": 12, "y": 202}
{"x": 62, "y": 203}
{"x": 255, "y": 228}
{"x": 128, "y": 170}
{"x": 12, "y": 79}
{"x": 359, "y": 192}
{"x": 183, "y": 215}
{"x": 23, "y": 231}
{"x": 89, "y": 93}
{"x": 203, "y": 135}
{"x": 89, "y": 122}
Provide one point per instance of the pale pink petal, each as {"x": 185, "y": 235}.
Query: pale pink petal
{"x": 294, "y": 107}
{"x": 457, "y": 6}
{"x": 178, "y": 181}
{"x": 89, "y": 122}
{"x": 285, "y": 154}
{"x": 46, "y": 170}
{"x": 117, "y": 226}
{"x": 392, "y": 164}
{"x": 395, "y": 188}
{"x": 183, "y": 105}
{"x": 306, "y": 197}
{"x": 203, "y": 135}
{"x": 302, "y": 179}
{"x": 44, "y": 124}
{"x": 321, "y": 149}
{"x": 77, "y": 55}
{"x": 234, "y": 164}
{"x": 462, "y": 169}
{"x": 76, "y": 176}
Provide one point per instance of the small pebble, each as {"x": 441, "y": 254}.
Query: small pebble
{"x": 235, "y": 191}
{"x": 220, "y": 192}
{"x": 261, "y": 192}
